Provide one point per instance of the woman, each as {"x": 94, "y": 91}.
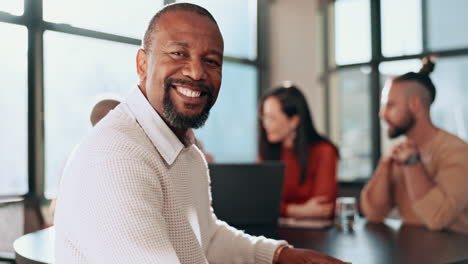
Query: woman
{"x": 288, "y": 134}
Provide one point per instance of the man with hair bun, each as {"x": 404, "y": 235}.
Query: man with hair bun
{"x": 425, "y": 176}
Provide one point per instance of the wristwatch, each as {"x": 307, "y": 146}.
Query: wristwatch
{"x": 413, "y": 159}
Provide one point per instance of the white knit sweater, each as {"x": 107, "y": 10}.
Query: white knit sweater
{"x": 131, "y": 192}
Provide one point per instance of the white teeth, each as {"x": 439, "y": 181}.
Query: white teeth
{"x": 188, "y": 92}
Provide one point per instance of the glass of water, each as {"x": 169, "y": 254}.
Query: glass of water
{"x": 345, "y": 213}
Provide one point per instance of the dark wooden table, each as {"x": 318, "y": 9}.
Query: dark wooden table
{"x": 384, "y": 244}
{"x": 369, "y": 243}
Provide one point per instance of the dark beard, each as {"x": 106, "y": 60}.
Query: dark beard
{"x": 403, "y": 129}
{"x": 179, "y": 120}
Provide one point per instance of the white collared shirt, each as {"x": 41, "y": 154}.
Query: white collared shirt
{"x": 133, "y": 193}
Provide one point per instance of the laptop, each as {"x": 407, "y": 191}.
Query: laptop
{"x": 247, "y": 194}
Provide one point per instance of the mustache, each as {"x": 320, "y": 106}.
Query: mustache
{"x": 201, "y": 85}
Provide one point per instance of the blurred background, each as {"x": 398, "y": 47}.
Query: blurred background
{"x": 58, "y": 58}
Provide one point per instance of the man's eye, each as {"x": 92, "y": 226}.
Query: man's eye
{"x": 212, "y": 62}
{"x": 178, "y": 53}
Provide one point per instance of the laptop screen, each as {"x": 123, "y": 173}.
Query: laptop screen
{"x": 247, "y": 194}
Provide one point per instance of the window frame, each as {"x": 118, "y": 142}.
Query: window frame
{"x": 330, "y": 67}
{"x": 32, "y": 19}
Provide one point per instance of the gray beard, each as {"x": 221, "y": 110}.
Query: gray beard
{"x": 179, "y": 120}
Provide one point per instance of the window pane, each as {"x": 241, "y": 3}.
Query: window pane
{"x": 447, "y": 22}
{"x": 238, "y": 23}
{"x": 354, "y": 123}
{"x": 78, "y": 72}
{"x": 14, "y": 7}
{"x": 393, "y": 68}
{"x": 230, "y": 133}
{"x": 450, "y": 110}
{"x": 120, "y": 17}
{"x": 401, "y": 27}
{"x": 14, "y": 110}
{"x": 352, "y": 35}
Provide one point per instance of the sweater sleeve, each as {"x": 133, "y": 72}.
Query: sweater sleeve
{"x": 373, "y": 214}
{"x": 447, "y": 200}
{"x": 283, "y": 208}
{"x": 229, "y": 245}
{"x": 325, "y": 178}
{"x": 119, "y": 208}
{"x": 380, "y": 180}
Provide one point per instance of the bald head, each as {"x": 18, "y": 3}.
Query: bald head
{"x": 153, "y": 24}
{"x": 101, "y": 109}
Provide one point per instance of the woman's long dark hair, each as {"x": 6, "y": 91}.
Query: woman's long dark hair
{"x": 292, "y": 103}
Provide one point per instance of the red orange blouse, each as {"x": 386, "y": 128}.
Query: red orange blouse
{"x": 321, "y": 175}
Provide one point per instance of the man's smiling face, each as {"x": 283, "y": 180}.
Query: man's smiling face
{"x": 180, "y": 73}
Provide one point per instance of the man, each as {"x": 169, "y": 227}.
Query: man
{"x": 136, "y": 190}
{"x": 99, "y": 111}
{"x": 425, "y": 176}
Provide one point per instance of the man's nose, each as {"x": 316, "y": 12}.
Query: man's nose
{"x": 195, "y": 69}
{"x": 383, "y": 112}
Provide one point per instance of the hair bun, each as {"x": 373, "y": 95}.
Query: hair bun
{"x": 428, "y": 65}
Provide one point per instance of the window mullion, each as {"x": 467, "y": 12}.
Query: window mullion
{"x": 376, "y": 38}
{"x": 35, "y": 25}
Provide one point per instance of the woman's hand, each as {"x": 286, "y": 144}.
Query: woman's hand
{"x": 318, "y": 206}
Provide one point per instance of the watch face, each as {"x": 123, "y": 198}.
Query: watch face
{"x": 413, "y": 159}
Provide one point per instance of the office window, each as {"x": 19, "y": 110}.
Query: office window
{"x": 120, "y": 17}
{"x": 353, "y": 107}
{"x": 401, "y": 27}
{"x": 410, "y": 29}
{"x": 352, "y": 31}
{"x": 79, "y": 71}
{"x": 450, "y": 108}
{"x": 230, "y": 133}
{"x": 82, "y": 67}
{"x": 447, "y": 22}
{"x": 393, "y": 68}
{"x": 237, "y": 21}
{"x": 14, "y": 110}
{"x": 14, "y": 7}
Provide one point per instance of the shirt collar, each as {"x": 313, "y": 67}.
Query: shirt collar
{"x": 163, "y": 138}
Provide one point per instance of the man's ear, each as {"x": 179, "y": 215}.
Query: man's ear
{"x": 141, "y": 63}
{"x": 415, "y": 104}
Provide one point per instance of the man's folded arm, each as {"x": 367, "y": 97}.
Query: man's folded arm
{"x": 376, "y": 198}
{"x": 447, "y": 200}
